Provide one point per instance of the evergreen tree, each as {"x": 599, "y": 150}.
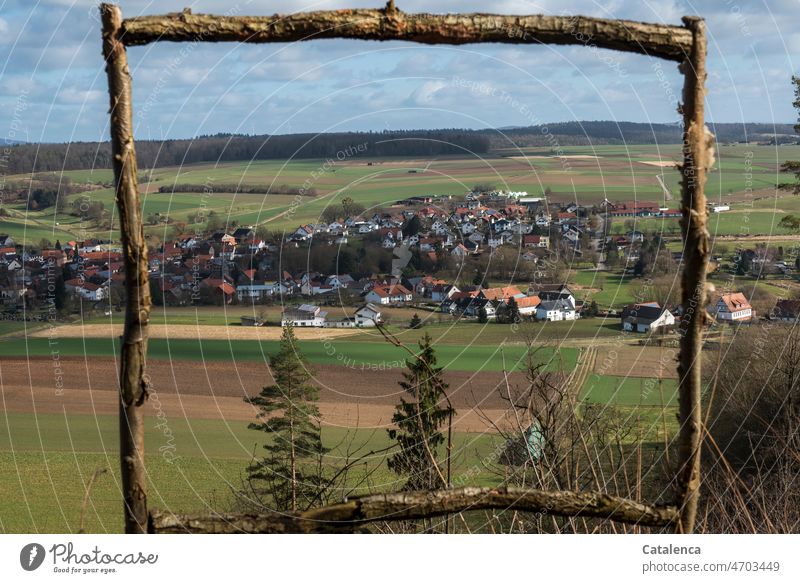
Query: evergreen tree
{"x": 419, "y": 422}
{"x": 794, "y": 165}
{"x": 416, "y": 322}
{"x": 59, "y": 293}
{"x": 291, "y": 471}
{"x": 512, "y": 311}
{"x": 412, "y": 226}
{"x": 483, "y": 317}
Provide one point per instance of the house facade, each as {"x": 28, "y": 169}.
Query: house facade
{"x": 304, "y": 316}
{"x": 733, "y": 307}
{"x": 646, "y": 317}
{"x": 556, "y": 310}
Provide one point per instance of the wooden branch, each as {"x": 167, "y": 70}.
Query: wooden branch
{"x": 132, "y": 378}
{"x": 389, "y": 23}
{"x": 357, "y": 512}
{"x": 86, "y": 495}
{"x": 698, "y": 157}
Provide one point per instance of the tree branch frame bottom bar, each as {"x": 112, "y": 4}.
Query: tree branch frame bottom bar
{"x": 356, "y": 513}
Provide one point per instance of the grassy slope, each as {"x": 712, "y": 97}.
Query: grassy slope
{"x": 51, "y": 458}
{"x": 335, "y": 352}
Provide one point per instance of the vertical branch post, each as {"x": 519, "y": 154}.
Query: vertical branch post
{"x": 698, "y": 156}
{"x": 132, "y": 378}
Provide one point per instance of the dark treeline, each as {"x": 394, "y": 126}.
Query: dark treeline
{"x": 428, "y": 143}
{"x": 583, "y": 133}
{"x": 240, "y": 188}
{"x": 228, "y": 148}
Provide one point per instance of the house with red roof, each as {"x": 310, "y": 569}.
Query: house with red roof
{"x": 733, "y": 307}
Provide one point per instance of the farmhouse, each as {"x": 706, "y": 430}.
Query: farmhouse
{"x": 528, "y": 305}
{"x": 502, "y": 294}
{"x": 553, "y": 292}
{"x": 541, "y": 241}
{"x": 367, "y": 316}
{"x": 733, "y": 307}
{"x": 646, "y": 317}
{"x": 86, "y": 289}
{"x": 388, "y": 294}
{"x": 556, "y": 310}
{"x": 254, "y": 291}
{"x": 304, "y": 316}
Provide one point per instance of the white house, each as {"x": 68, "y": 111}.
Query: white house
{"x": 646, "y": 317}
{"x": 388, "y": 294}
{"x": 367, "y": 316}
{"x": 459, "y": 251}
{"x": 555, "y": 311}
{"x": 733, "y": 308}
{"x": 304, "y": 316}
{"x": 90, "y": 291}
{"x": 254, "y": 291}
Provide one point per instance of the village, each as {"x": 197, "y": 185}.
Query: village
{"x": 438, "y": 254}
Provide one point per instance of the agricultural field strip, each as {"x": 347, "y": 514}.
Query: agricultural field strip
{"x": 621, "y": 170}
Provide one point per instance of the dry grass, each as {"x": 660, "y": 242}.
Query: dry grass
{"x": 660, "y": 163}
{"x": 195, "y": 332}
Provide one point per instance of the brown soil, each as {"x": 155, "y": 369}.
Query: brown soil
{"x": 194, "y": 332}
{"x": 215, "y": 390}
{"x": 636, "y": 361}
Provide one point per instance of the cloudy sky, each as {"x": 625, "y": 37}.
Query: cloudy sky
{"x": 53, "y": 87}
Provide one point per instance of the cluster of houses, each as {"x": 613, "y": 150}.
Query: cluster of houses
{"x": 485, "y": 221}
{"x": 543, "y": 302}
{"x": 205, "y": 269}
{"x": 87, "y": 269}
{"x": 211, "y": 268}
{"x": 730, "y": 308}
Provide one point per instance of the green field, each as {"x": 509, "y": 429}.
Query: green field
{"x": 358, "y": 355}
{"x": 618, "y": 173}
{"x": 607, "y": 289}
{"x": 48, "y": 460}
{"x": 651, "y": 405}
{"x": 629, "y": 391}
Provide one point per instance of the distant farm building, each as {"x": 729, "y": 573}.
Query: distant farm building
{"x": 733, "y": 307}
{"x": 646, "y": 317}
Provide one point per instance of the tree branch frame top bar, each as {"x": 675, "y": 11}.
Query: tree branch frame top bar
{"x": 658, "y": 40}
{"x": 684, "y": 44}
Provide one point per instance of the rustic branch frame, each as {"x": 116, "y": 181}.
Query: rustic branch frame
{"x": 683, "y": 44}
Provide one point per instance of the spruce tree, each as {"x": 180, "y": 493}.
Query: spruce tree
{"x": 416, "y": 322}
{"x": 290, "y": 473}
{"x": 512, "y": 311}
{"x": 419, "y": 422}
{"x": 483, "y": 317}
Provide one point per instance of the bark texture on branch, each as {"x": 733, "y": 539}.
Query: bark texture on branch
{"x": 389, "y": 23}
{"x": 132, "y": 378}
{"x": 357, "y": 512}
{"x": 698, "y": 157}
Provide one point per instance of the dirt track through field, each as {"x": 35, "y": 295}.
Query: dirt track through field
{"x": 195, "y": 332}
{"x": 215, "y": 390}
